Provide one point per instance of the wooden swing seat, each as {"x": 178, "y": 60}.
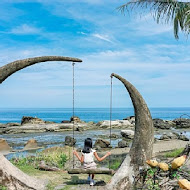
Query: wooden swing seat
{"x": 91, "y": 171}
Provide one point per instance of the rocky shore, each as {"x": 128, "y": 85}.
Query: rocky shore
{"x": 32, "y": 125}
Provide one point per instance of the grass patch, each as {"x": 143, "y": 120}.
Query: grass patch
{"x": 115, "y": 164}
{"x": 173, "y": 153}
{"x": 3, "y": 187}
{"x": 55, "y": 158}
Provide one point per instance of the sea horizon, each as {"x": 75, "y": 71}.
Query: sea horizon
{"x": 57, "y": 115}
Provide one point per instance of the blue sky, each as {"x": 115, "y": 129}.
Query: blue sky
{"x": 138, "y": 49}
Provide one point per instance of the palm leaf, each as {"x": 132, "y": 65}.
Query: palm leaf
{"x": 163, "y": 10}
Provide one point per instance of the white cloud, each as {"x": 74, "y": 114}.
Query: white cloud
{"x": 102, "y": 37}
{"x": 25, "y": 29}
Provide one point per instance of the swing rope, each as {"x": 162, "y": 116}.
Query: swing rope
{"x": 111, "y": 92}
{"x": 91, "y": 171}
{"x": 73, "y": 109}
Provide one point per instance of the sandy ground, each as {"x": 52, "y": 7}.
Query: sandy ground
{"x": 159, "y": 146}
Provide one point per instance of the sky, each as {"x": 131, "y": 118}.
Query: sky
{"x": 135, "y": 47}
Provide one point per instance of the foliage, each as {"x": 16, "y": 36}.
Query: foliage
{"x": 115, "y": 164}
{"x": 164, "y": 10}
{"x": 3, "y": 187}
{"x": 57, "y": 159}
{"x": 174, "y": 153}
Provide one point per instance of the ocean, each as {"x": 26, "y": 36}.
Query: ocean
{"x": 49, "y": 139}
{"x": 86, "y": 114}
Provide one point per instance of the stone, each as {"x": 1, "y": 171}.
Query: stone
{"x": 13, "y": 178}
{"x": 114, "y": 124}
{"x": 183, "y": 137}
{"x": 114, "y": 136}
{"x": 76, "y": 119}
{"x": 70, "y": 141}
{"x": 128, "y": 134}
{"x": 123, "y": 144}
{"x": 172, "y": 135}
{"x": 102, "y": 143}
{"x": 4, "y": 147}
{"x": 65, "y": 121}
{"x": 131, "y": 119}
{"x": 165, "y": 137}
{"x": 163, "y": 124}
{"x": 31, "y": 144}
{"x": 31, "y": 120}
{"x": 182, "y": 123}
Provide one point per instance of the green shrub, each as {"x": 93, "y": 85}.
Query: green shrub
{"x": 57, "y": 159}
{"x": 115, "y": 165}
{"x": 174, "y": 153}
{"x": 3, "y": 187}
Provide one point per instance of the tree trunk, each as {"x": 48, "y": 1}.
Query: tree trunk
{"x": 15, "y": 66}
{"x": 13, "y": 178}
{"x": 142, "y": 146}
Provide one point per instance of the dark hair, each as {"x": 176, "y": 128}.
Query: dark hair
{"x": 87, "y": 145}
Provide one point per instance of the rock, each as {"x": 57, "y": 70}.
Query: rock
{"x": 76, "y": 119}
{"x": 102, "y": 143}
{"x": 43, "y": 166}
{"x": 176, "y": 133}
{"x": 163, "y": 124}
{"x": 128, "y": 134}
{"x": 65, "y": 121}
{"x": 114, "y": 124}
{"x": 114, "y": 136}
{"x": 172, "y": 135}
{"x": 123, "y": 144}
{"x": 182, "y": 123}
{"x": 31, "y": 144}
{"x": 70, "y": 141}
{"x": 13, "y": 178}
{"x": 4, "y": 147}
{"x": 31, "y": 120}
{"x": 165, "y": 137}
{"x": 13, "y": 124}
{"x": 131, "y": 119}
{"x": 183, "y": 137}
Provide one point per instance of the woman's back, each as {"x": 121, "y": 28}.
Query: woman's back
{"x": 89, "y": 157}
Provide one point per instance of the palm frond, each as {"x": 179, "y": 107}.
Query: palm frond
{"x": 163, "y": 11}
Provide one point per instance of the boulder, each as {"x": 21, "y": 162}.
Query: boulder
{"x": 115, "y": 124}
{"x": 123, "y": 144}
{"x": 114, "y": 136}
{"x": 163, "y": 124}
{"x": 172, "y": 135}
{"x": 76, "y": 119}
{"x": 70, "y": 141}
{"x": 31, "y": 120}
{"x": 165, "y": 137}
{"x": 183, "y": 137}
{"x": 4, "y": 147}
{"x": 13, "y": 178}
{"x": 128, "y": 134}
{"x": 102, "y": 143}
{"x": 31, "y": 144}
{"x": 65, "y": 121}
{"x": 131, "y": 119}
{"x": 182, "y": 123}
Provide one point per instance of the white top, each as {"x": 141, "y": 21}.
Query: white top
{"x": 89, "y": 157}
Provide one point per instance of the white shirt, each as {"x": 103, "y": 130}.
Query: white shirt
{"x": 89, "y": 157}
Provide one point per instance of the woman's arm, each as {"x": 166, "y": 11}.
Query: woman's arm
{"x": 81, "y": 159}
{"x": 102, "y": 158}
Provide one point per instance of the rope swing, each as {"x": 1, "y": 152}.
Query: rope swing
{"x": 87, "y": 171}
{"x": 73, "y": 64}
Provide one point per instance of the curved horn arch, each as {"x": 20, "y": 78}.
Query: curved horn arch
{"x": 142, "y": 146}
{"x": 9, "y": 69}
